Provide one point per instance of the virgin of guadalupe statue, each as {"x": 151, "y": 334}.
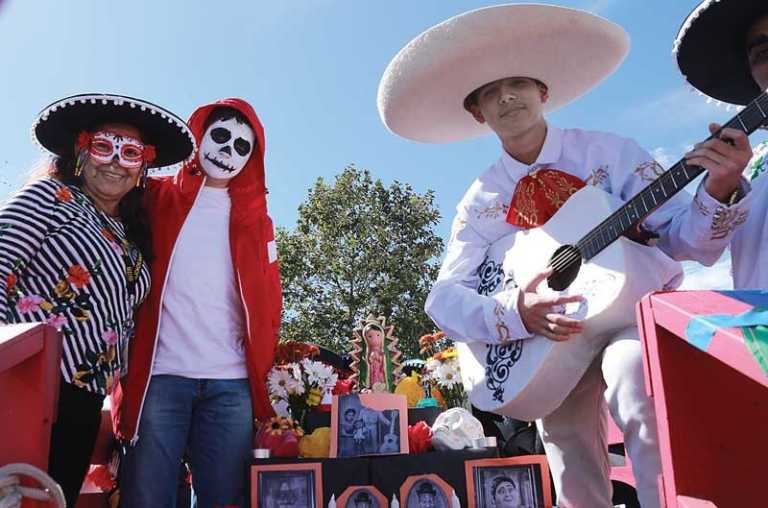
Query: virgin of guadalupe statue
{"x": 375, "y": 356}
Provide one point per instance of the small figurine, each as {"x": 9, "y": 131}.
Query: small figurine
{"x": 375, "y": 357}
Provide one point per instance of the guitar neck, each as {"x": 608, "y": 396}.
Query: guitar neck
{"x": 672, "y": 181}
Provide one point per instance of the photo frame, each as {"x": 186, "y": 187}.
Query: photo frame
{"x": 298, "y": 484}
{"x": 362, "y": 496}
{"x": 365, "y": 424}
{"x": 521, "y": 481}
{"x": 439, "y": 493}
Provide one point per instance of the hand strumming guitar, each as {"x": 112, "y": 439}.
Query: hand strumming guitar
{"x": 539, "y": 314}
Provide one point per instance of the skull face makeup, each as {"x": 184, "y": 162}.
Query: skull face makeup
{"x": 225, "y": 148}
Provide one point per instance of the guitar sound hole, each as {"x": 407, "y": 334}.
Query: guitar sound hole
{"x": 566, "y": 262}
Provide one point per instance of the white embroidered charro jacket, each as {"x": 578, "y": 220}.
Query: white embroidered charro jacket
{"x": 698, "y": 229}
{"x": 750, "y": 242}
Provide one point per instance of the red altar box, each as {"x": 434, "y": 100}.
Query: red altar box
{"x": 29, "y": 386}
{"x": 710, "y": 394}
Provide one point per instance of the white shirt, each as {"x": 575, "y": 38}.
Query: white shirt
{"x": 750, "y": 242}
{"x": 617, "y": 165}
{"x": 201, "y": 323}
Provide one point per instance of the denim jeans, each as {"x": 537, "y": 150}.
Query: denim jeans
{"x": 210, "y": 422}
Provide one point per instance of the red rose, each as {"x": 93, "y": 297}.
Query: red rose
{"x": 83, "y": 140}
{"x": 149, "y": 153}
{"x": 419, "y": 437}
{"x": 10, "y": 282}
{"x": 343, "y": 387}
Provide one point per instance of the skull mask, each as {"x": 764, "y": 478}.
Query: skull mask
{"x": 226, "y": 147}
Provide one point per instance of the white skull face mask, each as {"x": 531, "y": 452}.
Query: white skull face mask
{"x": 226, "y": 147}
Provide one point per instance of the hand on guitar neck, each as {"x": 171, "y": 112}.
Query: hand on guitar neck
{"x": 540, "y": 313}
{"x": 724, "y": 156}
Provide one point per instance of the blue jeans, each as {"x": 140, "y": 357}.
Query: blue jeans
{"x": 210, "y": 422}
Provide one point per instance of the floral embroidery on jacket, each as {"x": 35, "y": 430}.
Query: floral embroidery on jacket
{"x": 599, "y": 177}
{"x": 725, "y": 220}
{"x": 701, "y": 207}
{"x": 493, "y": 212}
{"x": 649, "y": 171}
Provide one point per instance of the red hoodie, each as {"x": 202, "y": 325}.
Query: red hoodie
{"x": 250, "y": 230}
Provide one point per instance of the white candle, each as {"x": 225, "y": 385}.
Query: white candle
{"x": 455, "y": 503}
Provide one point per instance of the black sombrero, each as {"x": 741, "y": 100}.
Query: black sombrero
{"x": 57, "y": 126}
{"x": 711, "y": 52}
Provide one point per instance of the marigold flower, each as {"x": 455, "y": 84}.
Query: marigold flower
{"x": 293, "y": 351}
{"x": 275, "y": 425}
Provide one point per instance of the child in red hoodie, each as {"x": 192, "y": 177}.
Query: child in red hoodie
{"x": 206, "y": 335}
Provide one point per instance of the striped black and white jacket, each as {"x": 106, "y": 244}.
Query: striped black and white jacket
{"x": 64, "y": 262}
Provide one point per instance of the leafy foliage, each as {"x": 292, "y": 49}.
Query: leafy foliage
{"x": 359, "y": 248}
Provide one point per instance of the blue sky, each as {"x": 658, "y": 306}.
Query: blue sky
{"x": 311, "y": 69}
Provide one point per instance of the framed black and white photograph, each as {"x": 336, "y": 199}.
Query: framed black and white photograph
{"x": 369, "y": 424}
{"x": 362, "y": 496}
{"x": 512, "y": 482}
{"x": 287, "y": 485}
{"x": 426, "y": 491}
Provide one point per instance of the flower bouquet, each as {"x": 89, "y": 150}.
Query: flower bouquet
{"x": 299, "y": 386}
{"x": 442, "y": 368}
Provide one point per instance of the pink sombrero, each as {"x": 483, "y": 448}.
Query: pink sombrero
{"x": 422, "y": 90}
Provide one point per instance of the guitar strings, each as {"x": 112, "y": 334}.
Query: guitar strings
{"x": 565, "y": 259}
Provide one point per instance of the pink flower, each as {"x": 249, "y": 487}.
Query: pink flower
{"x": 116, "y": 247}
{"x": 110, "y": 337}
{"x": 29, "y": 303}
{"x": 56, "y": 321}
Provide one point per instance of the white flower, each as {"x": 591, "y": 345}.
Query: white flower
{"x": 295, "y": 384}
{"x": 432, "y": 365}
{"x": 330, "y": 383}
{"x": 447, "y": 375}
{"x": 281, "y": 408}
{"x": 318, "y": 373}
{"x": 278, "y": 380}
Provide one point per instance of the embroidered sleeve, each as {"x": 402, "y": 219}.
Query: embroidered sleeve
{"x": 24, "y": 222}
{"x": 504, "y": 320}
{"x": 686, "y": 226}
{"x": 456, "y": 304}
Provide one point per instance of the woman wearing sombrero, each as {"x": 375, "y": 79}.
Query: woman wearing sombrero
{"x": 74, "y": 247}
{"x": 722, "y": 50}
{"x": 499, "y": 69}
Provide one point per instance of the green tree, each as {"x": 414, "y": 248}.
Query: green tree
{"x": 359, "y": 248}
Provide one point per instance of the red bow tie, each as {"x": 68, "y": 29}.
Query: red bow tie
{"x": 539, "y": 195}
